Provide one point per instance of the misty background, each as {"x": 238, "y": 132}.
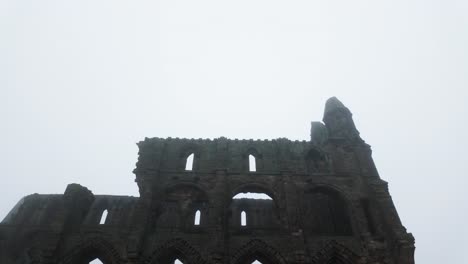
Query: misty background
{"x": 82, "y": 81}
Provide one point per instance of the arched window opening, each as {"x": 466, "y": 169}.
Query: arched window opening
{"x": 96, "y": 261}
{"x": 197, "y": 217}
{"x": 327, "y": 213}
{"x": 243, "y": 218}
{"x": 103, "y": 217}
{"x": 177, "y": 261}
{"x": 261, "y": 209}
{"x": 252, "y": 163}
{"x": 252, "y": 195}
{"x": 189, "y": 162}
{"x": 256, "y": 262}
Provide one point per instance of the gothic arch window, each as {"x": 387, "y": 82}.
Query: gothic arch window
{"x": 103, "y": 217}
{"x": 184, "y": 206}
{"x": 197, "y": 218}
{"x": 177, "y": 261}
{"x": 253, "y": 210}
{"x": 252, "y": 160}
{"x": 243, "y": 218}
{"x": 189, "y": 162}
{"x": 252, "y": 163}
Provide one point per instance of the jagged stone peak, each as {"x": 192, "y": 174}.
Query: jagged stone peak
{"x": 332, "y": 104}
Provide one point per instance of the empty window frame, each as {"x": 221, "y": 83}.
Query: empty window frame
{"x": 197, "y": 218}
{"x": 252, "y": 163}
{"x": 243, "y": 218}
{"x": 103, "y": 217}
{"x": 189, "y": 162}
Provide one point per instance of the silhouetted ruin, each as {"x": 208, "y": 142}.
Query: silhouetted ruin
{"x": 224, "y": 201}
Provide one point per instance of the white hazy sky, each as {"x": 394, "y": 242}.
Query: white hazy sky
{"x": 82, "y": 81}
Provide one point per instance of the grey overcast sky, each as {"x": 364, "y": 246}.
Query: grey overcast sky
{"x": 83, "y": 81}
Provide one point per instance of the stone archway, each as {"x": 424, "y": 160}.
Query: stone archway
{"x": 334, "y": 253}
{"x": 257, "y": 250}
{"x": 175, "y": 249}
{"x": 90, "y": 249}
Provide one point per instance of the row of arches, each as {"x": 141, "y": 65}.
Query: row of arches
{"x": 316, "y": 161}
{"x": 179, "y": 251}
{"x": 323, "y": 211}
{"x": 243, "y": 214}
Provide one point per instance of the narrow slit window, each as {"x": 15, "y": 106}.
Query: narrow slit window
{"x": 103, "y": 217}
{"x": 189, "y": 162}
{"x": 197, "y": 217}
{"x": 177, "y": 261}
{"x": 252, "y": 163}
{"x": 243, "y": 218}
{"x": 95, "y": 261}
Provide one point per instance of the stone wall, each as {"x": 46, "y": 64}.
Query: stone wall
{"x": 328, "y": 205}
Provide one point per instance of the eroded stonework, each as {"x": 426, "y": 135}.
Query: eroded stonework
{"x": 328, "y": 205}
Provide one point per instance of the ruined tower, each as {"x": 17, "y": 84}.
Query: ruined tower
{"x": 225, "y": 201}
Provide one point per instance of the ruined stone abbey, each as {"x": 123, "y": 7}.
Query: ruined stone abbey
{"x": 224, "y": 201}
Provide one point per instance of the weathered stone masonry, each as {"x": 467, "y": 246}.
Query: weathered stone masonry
{"x": 328, "y": 205}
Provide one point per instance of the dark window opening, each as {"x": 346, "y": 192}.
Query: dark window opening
{"x": 327, "y": 213}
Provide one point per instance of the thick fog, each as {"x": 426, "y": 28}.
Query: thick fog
{"x": 83, "y": 81}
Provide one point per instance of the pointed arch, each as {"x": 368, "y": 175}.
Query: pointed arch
{"x": 90, "y": 249}
{"x": 252, "y": 163}
{"x": 252, "y": 160}
{"x": 103, "y": 217}
{"x": 189, "y": 154}
{"x": 259, "y": 213}
{"x": 257, "y": 249}
{"x": 334, "y": 252}
{"x": 243, "y": 217}
{"x": 197, "y": 218}
{"x": 180, "y": 203}
{"x": 189, "y": 162}
{"x": 175, "y": 249}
